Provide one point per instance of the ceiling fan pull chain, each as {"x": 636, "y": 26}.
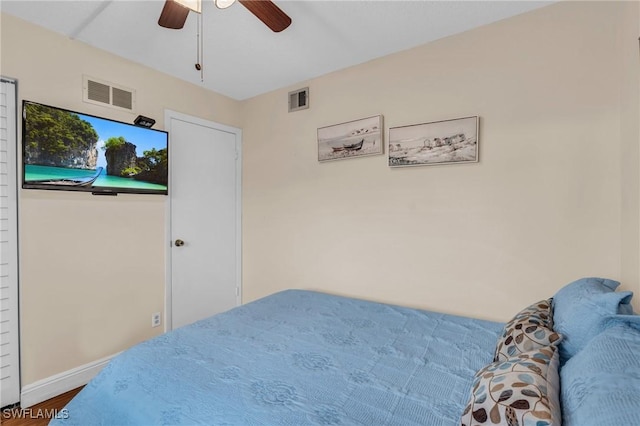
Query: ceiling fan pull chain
{"x": 199, "y": 42}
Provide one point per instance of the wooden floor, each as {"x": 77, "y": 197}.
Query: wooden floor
{"x": 39, "y": 414}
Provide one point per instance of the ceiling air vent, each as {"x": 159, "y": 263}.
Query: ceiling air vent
{"x": 299, "y": 99}
{"x": 103, "y": 93}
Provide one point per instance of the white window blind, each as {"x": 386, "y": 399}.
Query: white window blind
{"x": 9, "y": 345}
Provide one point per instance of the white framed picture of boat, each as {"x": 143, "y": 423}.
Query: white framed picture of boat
{"x": 437, "y": 142}
{"x": 355, "y": 138}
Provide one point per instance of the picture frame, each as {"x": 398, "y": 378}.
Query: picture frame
{"x": 351, "y": 139}
{"x": 436, "y": 142}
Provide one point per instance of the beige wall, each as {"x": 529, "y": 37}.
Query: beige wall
{"x": 542, "y": 207}
{"x": 92, "y": 267}
{"x": 629, "y": 31}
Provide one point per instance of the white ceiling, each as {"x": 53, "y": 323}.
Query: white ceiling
{"x": 242, "y": 57}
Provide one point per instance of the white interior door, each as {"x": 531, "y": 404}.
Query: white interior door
{"x": 9, "y": 333}
{"x": 204, "y": 196}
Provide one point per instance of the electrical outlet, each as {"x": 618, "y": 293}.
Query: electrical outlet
{"x": 156, "y": 319}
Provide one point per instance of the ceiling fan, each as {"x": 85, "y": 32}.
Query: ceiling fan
{"x": 174, "y": 13}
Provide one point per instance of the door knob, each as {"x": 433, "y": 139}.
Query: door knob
{"x": 179, "y": 243}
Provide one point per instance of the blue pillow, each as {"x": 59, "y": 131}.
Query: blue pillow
{"x": 601, "y": 384}
{"x": 580, "y": 310}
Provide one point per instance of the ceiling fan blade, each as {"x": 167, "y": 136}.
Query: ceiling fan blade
{"x": 173, "y": 15}
{"x": 269, "y": 13}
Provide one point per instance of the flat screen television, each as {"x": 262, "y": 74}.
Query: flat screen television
{"x": 67, "y": 150}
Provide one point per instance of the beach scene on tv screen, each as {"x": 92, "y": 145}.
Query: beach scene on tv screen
{"x": 63, "y": 148}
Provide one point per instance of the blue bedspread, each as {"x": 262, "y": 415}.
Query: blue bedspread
{"x": 295, "y": 358}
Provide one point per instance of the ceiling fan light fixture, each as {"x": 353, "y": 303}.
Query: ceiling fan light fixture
{"x": 195, "y": 5}
{"x": 223, "y": 4}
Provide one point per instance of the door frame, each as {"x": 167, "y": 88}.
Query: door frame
{"x": 168, "y": 116}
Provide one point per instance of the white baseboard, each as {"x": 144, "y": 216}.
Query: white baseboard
{"x": 44, "y": 389}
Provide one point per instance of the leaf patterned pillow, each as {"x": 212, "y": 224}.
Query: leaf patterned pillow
{"x": 521, "y": 391}
{"x": 530, "y": 329}
{"x": 538, "y": 313}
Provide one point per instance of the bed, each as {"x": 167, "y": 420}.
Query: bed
{"x": 301, "y": 357}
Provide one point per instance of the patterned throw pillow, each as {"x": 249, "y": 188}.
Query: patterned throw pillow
{"x": 519, "y": 392}
{"x": 530, "y": 329}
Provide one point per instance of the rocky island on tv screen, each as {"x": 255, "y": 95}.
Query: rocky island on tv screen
{"x": 66, "y": 150}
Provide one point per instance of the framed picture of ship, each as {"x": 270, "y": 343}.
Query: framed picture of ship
{"x": 437, "y": 142}
{"x": 355, "y": 138}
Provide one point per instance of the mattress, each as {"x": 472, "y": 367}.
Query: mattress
{"x": 295, "y": 358}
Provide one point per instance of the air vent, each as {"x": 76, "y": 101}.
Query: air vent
{"x": 122, "y": 98}
{"x": 107, "y": 94}
{"x": 299, "y": 99}
{"x": 98, "y": 92}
